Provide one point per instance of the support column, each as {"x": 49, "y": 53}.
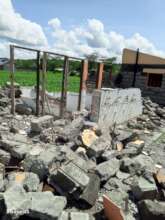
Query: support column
{"x": 83, "y": 87}
{"x": 12, "y": 87}
{"x": 64, "y": 87}
{"x": 38, "y": 85}
{"x": 44, "y": 64}
{"x": 99, "y": 75}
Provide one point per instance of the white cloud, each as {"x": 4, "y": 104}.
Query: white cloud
{"x": 84, "y": 40}
{"x": 13, "y": 27}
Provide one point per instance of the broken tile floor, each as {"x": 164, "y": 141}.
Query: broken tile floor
{"x": 72, "y": 169}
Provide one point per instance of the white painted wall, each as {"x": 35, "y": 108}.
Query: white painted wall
{"x": 110, "y": 106}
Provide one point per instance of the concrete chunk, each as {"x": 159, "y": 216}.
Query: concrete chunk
{"x": 69, "y": 178}
{"x": 107, "y": 169}
{"x": 46, "y": 206}
{"x": 40, "y": 123}
{"x": 143, "y": 189}
{"x": 79, "y": 216}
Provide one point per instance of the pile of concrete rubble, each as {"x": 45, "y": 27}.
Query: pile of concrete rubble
{"x": 69, "y": 169}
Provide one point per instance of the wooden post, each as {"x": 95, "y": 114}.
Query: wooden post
{"x": 44, "y": 64}
{"x": 12, "y": 88}
{"x": 64, "y": 87}
{"x": 135, "y": 68}
{"x": 83, "y": 87}
{"x": 99, "y": 75}
{"x": 38, "y": 85}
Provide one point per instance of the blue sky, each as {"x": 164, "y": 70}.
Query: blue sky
{"x": 125, "y": 16}
{"x": 135, "y": 23}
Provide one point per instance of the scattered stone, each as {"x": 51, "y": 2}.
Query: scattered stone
{"x": 29, "y": 181}
{"x": 42, "y": 122}
{"x": 69, "y": 178}
{"x": 98, "y": 147}
{"x": 143, "y": 189}
{"x": 107, "y": 169}
{"x": 79, "y": 215}
{"x": 5, "y": 157}
{"x": 90, "y": 194}
{"x": 151, "y": 210}
{"x": 44, "y": 205}
{"x": 23, "y": 110}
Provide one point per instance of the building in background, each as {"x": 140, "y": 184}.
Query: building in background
{"x": 144, "y": 71}
{"x": 4, "y": 64}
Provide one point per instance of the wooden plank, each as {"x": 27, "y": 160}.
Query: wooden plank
{"x": 64, "y": 87}
{"x": 38, "y": 85}
{"x": 44, "y": 70}
{"x": 12, "y": 80}
{"x": 99, "y": 75}
{"x": 83, "y": 87}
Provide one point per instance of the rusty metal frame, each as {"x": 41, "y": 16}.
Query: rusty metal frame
{"x": 84, "y": 75}
{"x": 83, "y": 86}
{"x": 99, "y": 79}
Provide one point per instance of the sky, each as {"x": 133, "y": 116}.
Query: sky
{"x": 80, "y": 28}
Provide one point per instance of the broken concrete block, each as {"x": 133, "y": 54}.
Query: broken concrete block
{"x": 64, "y": 216}
{"x": 79, "y": 216}
{"x": 16, "y": 201}
{"x": 16, "y": 149}
{"x": 143, "y": 189}
{"x": 88, "y": 137}
{"x": 107, "y": 169}
{"x": 69, "y": 178}
{"x": 90, "y": 194}
{"x": 23, "y": 109}
{"x": 40, "y": 123}
{"x": 114, "y": 183}
{"x": 29, "y": 181}
{"x": 109, "y": 154}
{"x": 98, "y": 147}
{"x": 39, "y": 161}
{"x": 151, "y": 210}
{"x": 126, "y": 136}
{"x": 71, "y": 130}
{"x": 44, "y": 205}
{"x": 5, "y": 157}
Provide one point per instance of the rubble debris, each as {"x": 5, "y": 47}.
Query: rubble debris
{"x": 29, "y": 181}
{"x": 43, "y": 122}
{"x": 44, "y": 205}
{"x": 70, "y": 178}
{"x": 152, "y": 210}
{"x": 22, "y": 109}
{"x": 144, "y": 189}
{"x": 72, "y": 168}
{"x": 107, "y": 169}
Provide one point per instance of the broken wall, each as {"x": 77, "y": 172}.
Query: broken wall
{"x": 115, "y": 106}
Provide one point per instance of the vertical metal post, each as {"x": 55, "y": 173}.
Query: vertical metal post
{"x": 99, "y": 75}
{"x": 38, "y": 85}
{"x": 12, "y": 88}
{"x": 135, "y": 68}
{"x": 83, "y": 87}
{"x": 44, "y": 64}
{"x": 64, "y": 87}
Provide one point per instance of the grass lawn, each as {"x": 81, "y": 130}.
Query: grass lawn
{"x": 54, "y": 80}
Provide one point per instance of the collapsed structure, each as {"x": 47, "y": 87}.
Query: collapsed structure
{"x": 73, "y": 168}
{"x": 106, "y": 162}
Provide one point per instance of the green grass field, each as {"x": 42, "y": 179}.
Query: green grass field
{"x": 53, "y": 84}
